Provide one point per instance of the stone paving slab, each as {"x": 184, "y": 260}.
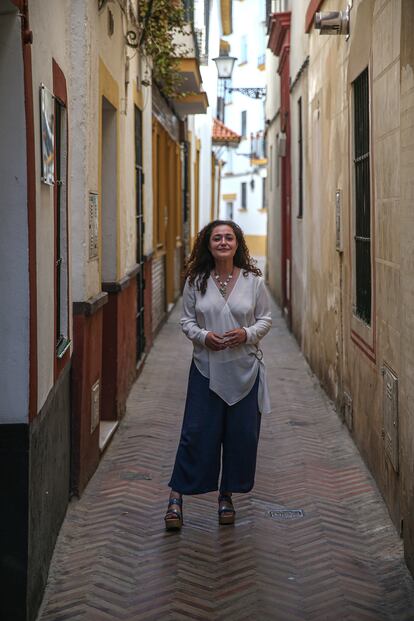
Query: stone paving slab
{"x": 312, "y": 542}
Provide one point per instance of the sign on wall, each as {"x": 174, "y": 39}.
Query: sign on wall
{"x": 93, "y": 225}
{"x": 47, "y": 127}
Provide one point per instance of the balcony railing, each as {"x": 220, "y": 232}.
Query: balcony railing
{"x": 189, "y": 10}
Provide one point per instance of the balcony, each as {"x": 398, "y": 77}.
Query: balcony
{"x": 191, "y": 103}
{"x": 190, "y": 97}
{"x": 258, "y": 149}
{"x": 261, "y": 62}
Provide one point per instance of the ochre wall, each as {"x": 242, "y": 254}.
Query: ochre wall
{"x": 86, "y": 370}
{"x": 347, "y": 354}
{"x": 118, "y": 350}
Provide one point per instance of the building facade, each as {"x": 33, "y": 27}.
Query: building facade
{"x": 349, "y": 176}
{"x": 98, "y": 172}
{"x": 243, "y": 173}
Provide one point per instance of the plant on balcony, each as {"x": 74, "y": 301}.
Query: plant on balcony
{"x": 162, "y": 21}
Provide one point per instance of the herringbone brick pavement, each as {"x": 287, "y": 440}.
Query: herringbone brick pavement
{"x": 340, "y": 560}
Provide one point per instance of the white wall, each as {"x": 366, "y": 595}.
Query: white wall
{"x": 204, "y": 123}
{"x": 274, "y": 235}
{"x": 79, "y": 107}
{"x": 14, "y": 262}
{"x": 48, "y": 23}
{"x": 249, "y": 21}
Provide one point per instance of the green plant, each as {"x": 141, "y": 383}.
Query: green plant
{"x": 161, "y": 20}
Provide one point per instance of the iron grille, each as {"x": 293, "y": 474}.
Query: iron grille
{"x": 300, "y": 167}
{"x": 140, "y": 343}
{"x": 61, "y": 273}
{"x": 59, "y": 260}
{"x": 362, "y": 198}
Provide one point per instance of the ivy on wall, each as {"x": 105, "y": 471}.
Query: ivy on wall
{"x": 161, "y": 21}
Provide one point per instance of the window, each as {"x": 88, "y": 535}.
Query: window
{"x": 62, "y": 308}
{"x": 277, "y": 163}
{"x": 300, "y": 160}
{"x": 271, "y": 169}
{"x": 244, "y": 195}
{"x": 244, "y": 123}
{"x": 264, "y": 195}
{"x": 229, "y": 211}
{"x": 243, "y": 50}
{"x": 363, "y": 274}
{"x": 60, "y": 203}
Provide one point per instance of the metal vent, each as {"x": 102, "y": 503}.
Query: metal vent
{"x": 287, "y": 514}
{"x": 390, "y": 415}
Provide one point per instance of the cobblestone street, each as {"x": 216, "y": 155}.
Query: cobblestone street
{"x": 338, "y": 558}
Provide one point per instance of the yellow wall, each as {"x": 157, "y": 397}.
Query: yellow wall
{"x": 256, "y": 245}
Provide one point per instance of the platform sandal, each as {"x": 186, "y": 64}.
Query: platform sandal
{"x": 226, "y": 514}
{"x": 174, "y": 517}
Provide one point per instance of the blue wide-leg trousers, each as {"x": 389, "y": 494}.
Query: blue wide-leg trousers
{"x": 216, "y": 435}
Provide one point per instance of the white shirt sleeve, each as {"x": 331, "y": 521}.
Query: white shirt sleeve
{"x": 188, "y": 321}
{"x": 262, "y": 315}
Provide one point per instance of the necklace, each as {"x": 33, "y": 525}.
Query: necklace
{"x": 223, "y": 284}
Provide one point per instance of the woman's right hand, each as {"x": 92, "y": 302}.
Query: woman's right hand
{"x": 215, "y": 341}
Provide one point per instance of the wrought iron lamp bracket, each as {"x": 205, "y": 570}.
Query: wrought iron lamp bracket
{"x": 132, "y": 39}
{"x": 254, "y": 93}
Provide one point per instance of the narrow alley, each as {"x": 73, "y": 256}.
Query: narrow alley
{"x": 334, "y": 555}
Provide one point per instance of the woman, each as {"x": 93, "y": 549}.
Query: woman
{"x": 226, "y": 313}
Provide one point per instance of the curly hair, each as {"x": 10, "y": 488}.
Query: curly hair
{"x": 201, "y": 261}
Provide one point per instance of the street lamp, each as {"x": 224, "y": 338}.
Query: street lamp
{"x": 225, "y": 65}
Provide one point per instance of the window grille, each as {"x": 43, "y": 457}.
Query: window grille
{"x": 62, "y": 310}
{"x": 363, "y": 274}
{"x": 300, "y": 159}
{"x": 140, "y": 227}
{"x": 244, "y": 195}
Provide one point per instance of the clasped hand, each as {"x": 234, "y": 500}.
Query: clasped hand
{"x": 231, "y": 339}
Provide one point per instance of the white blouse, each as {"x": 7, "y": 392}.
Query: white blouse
{"x": 232, "y": 372}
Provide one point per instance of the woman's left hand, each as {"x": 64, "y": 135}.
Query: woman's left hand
{"x": 235, "y": 337}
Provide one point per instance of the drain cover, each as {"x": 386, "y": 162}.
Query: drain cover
{"x": 137, "y": 476}
{"x": 287, "y": 514}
